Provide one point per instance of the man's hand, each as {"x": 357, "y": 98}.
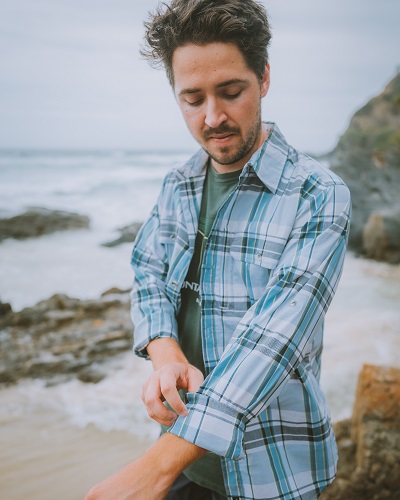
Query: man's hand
{"x": 151, "y": 476}
{"x": 163, "y": 385}
{"x": 172, "y": 371}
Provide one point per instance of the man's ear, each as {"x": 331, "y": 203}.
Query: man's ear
{"x": 265, "y": 81}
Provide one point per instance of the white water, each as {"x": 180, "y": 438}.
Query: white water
{"x": 114, "y": 404}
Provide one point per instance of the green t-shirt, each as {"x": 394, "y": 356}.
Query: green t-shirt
{"x": 217, "y": 187}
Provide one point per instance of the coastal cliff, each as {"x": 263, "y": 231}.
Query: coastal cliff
{"x": 367, "y": 157}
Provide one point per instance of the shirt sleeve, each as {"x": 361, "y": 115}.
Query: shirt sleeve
{"x": 152, "y": 310}
{"x": 276, "y": 333}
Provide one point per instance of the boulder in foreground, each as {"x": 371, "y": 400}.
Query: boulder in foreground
{"x": 369, "y": 443}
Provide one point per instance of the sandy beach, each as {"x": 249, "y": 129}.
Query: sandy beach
{"x": 59, "y": 440}
{"x": 43, "y": 457}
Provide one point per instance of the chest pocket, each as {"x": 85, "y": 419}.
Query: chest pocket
{"x": 255, "y": 256}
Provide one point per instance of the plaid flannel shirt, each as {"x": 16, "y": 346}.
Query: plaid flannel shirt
{"x": 269, "y": 272}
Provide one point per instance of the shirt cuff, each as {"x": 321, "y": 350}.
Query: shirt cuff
{"x": 144, "y": 332}
{"x": 212, "y": 425}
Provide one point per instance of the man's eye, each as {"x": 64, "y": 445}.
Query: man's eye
{"x": 232, "y": 96}
{"x": 195, "y": 103}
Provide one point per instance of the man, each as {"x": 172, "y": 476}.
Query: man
{"x": 234, "y": 272}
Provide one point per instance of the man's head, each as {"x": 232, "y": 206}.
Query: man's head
{"x": 243, "y": 23}
{"x": 215, "y": 56}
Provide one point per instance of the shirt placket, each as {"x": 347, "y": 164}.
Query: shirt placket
{"x": 208, "y": 279}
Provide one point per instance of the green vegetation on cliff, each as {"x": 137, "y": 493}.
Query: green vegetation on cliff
{"x": 376, "y": 126}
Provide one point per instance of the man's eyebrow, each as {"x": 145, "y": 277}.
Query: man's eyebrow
{"x": 231, "y": 82}
{"x": 219, "y": 85}
{"x": 189, "y": 91}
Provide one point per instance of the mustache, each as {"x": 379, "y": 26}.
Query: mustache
{"x": 222, "y": 129}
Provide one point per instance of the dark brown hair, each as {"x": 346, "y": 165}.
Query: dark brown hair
{"x": 241, "y": 22}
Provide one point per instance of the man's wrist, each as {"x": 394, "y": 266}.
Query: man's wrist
{"x": 165, "y": 350}
{"x": 170, "y": 455}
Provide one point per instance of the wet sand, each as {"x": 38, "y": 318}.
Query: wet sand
{"x": 44, "y": 457}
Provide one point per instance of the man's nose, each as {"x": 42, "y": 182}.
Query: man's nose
{"x": 215, "y": 114}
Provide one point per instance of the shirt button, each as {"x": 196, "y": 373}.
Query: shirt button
{"x": 174, "y": 284}
{"x": 172, "y": 236}
{"x": 293, "y": 303}
{"x": 259, "y": 255}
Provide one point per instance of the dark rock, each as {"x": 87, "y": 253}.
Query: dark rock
{"x": 91, "y": 375}
{"x": 369, "y": 443}
{"x": 61, "y": 338}
{"x": 381, "y": 237}
{"x": 39, "y": 221}
{"x": 367, "y": 158}
{"x": 127, "y": 235}
{"x": 5, "y": 309}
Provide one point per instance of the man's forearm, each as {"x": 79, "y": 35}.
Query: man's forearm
{"x": 151, "y": 476}
{"x": 172, "y": 454}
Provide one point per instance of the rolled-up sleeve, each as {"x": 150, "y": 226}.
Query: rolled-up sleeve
{"x": 277, "y": 332}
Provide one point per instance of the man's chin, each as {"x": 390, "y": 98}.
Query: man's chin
{"x": 226, "y": 158}
{"x": 223, "y": 156}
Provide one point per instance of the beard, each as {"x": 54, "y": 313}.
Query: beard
{"x": 227, "y": 155}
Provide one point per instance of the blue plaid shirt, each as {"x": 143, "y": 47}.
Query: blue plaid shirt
{"x": 269, "y": 272}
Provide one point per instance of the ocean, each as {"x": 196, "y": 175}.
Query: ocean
{"x": 107, "y": 422}
{"x": 113, "y": 188}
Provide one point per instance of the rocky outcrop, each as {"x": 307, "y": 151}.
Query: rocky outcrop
{"x": 127, "y": 235}
{"x": 381, "y": 237}
{"x": 39, "y": 221}
{"x": 5, "y": 308}
{"x": 367, "y": 158}
{"x": 369, "y": 443}
{"x": 62, "y": 338}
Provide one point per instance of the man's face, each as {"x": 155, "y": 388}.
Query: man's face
{"x": 220, "y": 99}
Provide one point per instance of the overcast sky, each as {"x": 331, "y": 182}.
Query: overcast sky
{"x": 71, "y": 75}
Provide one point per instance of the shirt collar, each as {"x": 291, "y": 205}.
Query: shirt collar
{"x": 267, "y": 162}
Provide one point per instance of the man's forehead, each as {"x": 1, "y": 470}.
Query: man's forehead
{"x": 215, "y": 64}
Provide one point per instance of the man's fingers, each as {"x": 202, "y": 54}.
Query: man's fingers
{"x": 163, "y": 386}
{"x": 153, "y": 399}
{"x": 168, "y": 383}
{"x": 195, "y": 379}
